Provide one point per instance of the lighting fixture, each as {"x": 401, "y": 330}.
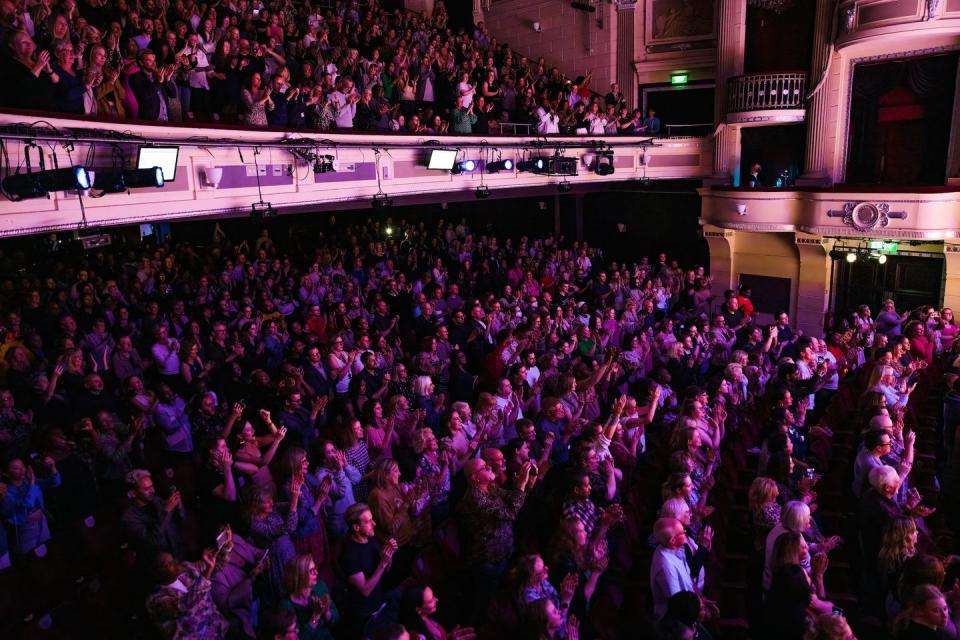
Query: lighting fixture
{"x": 500, "y": 165}
{"x": 482, "y": 192}
{"x": 882, "y": 259}
{"x": 851, "y": 257}
{"x": 36, "y": 184}
{"x": 382, "y": 201}
{"x": 535, "y": 165}
{"x": 604, "y": 163}
{"x": 260, "y": 211}
{"x": 562, "y": 166}
{"x": 388, "y": 230}
{"x": 213, "y": 176}
{"x": 564, "y": 187}
{"x": 117, "y": 180}
{"x": 464, "y": 166}
{"x": 679, "y": 77}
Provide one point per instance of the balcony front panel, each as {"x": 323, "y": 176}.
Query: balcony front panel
{"x": 243, "y": 158}
{"x": 925, "y": 214}
{"x": 862, "y": 21}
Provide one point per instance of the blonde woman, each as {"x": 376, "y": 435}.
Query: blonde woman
{"x": 764, "y": 509}
{"x": 396, "y": 511}
{"x": 899, "y": 544}
{"x": 828, "y": 626}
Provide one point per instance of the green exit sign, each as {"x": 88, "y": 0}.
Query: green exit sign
{"x": 679, "y": 78}
{"x": 884, "y": 247}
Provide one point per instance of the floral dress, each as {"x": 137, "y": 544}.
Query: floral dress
{"x": 184, "y": 610}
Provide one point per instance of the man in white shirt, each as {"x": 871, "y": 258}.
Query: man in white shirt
{"x": 344, "y": 101}
{"x": 165, "y": 354}
{"x": 669, "y": 571}
{"x": 529, "y": 360}
{"x": 549, "y": 120}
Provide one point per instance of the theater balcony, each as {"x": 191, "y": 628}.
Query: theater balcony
{"x": 809, "y": 243}
{"x": 224, "y": 172}
{"x": 761, "y": 98}
{"x": 862, "y": 22}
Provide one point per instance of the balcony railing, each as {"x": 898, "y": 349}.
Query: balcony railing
{"x": 766, "y": 91}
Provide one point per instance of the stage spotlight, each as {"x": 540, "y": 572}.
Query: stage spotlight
{"x": 536, "y": 165}
{"x": 500, "y": 165}
{"x": 482, "y": 192}
{"x": 116, "y": 180}
{"x": 851, "y": 257}
{"x": 882, "y": 259}
{"x": 21, "y": 186}
{"x": 138, "y": 178}
{"x": 565, "y": 187}
{"x": 464, "y": 166}
{"x": 604, "y": 163}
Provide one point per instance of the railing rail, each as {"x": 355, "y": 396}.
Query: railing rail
{"x": 763, "y": 91}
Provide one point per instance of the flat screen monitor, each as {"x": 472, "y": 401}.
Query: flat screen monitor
{"x": 163, "y": 157}
{"x": 442, "y": 159}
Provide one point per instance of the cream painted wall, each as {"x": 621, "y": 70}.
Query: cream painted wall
{"x": 767, "y": 254}
{"x": 569, "y": 39}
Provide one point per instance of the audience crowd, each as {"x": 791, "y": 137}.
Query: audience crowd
{"x": 415, "y": 430}
{"x": 320, "y": 66}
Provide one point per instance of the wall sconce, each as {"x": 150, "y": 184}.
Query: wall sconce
{"x": 212, "y": 176}
{"x": 741, "y": 209}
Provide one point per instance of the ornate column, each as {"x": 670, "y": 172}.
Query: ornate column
{"x": 731, "y": 38}
{"x": 626, "y": 39}
{"x": 812, "y": 297}
{"x": 951, "y": 273}
{"x": 821, "y": 118}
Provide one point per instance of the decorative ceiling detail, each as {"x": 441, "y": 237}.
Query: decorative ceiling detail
{"x": 865, "y": 216}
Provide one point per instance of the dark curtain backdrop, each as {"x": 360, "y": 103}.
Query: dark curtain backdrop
{"x": 909, "y": 152}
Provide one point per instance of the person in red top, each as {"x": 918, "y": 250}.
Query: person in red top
{"x": 744, "y": 299}
{"x": 317, "y": 324}
{"x": 921, "y": 347}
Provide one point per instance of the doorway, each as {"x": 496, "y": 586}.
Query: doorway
{"x": 909, "y": 280}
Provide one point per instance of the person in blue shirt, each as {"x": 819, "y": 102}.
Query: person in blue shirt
{"x": 651, "y": 124}
{"x": 21, "y": 503}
